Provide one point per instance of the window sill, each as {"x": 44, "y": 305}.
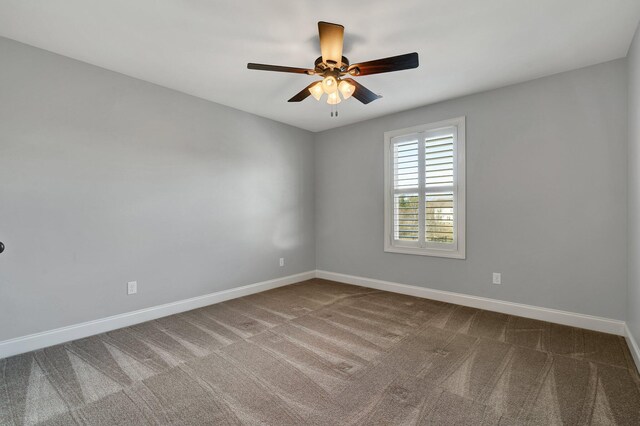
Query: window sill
{"x": 451, "y": 254}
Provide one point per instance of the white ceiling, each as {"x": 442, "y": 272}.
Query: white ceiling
{"x": 201, "y": 47}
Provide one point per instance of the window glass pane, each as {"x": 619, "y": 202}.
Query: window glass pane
{"x": 439, "y": 218}
{"x": 439, "y": 161}
{"x": 405, "y": 165}
{"x": 405, "y": 217}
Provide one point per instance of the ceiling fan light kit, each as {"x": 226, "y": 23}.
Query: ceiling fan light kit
{"x": 336, "y": 72}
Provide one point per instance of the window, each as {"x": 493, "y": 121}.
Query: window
{"x": 424, "y": 189}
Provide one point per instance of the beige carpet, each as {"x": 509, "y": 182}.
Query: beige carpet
{"x": 320, "y": 352}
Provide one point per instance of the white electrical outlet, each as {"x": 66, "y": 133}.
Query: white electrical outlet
{"x": 282, "y": 261}
{"x": 132, "y": 287}
{"x": 497, "y": 278}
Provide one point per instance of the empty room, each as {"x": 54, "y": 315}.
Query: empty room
{"x": 319, "y": 213}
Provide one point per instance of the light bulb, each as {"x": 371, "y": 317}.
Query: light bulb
{"x": 316, "y": 90}
{"x": 329, "y": 84}
{"x": 333, "y": 98}
{"x": 346, "y": 89}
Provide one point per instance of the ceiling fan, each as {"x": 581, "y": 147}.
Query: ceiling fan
{"x": 333, "y": 68}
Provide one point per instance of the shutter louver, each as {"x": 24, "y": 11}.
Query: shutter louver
{"x": 439, "y": 218}
{"x": 439, "y": 200}
{"x": 406, "y": 222}
{"x": 406, "y": 217}
{"x": 438, "y": 162}
{"x": 405, "y": 165}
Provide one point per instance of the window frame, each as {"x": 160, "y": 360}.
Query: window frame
{"x": 455, "y": 250}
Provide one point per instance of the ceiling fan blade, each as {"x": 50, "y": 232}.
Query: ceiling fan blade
{"x": 303, "y": 94}
{"x": 265, "y": 67}
{"x": 331, "y": 41}
{"x": 361, "y": 93}
{"x": 394, "y": 63}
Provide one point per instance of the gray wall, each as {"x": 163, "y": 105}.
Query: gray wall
{"x": 106, "y": 179}
{"x": 546, "y": 195}
{"x": 633, "y": 296}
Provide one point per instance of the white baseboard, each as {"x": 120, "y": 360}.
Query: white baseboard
{"x": 589, "y": 322}
{"x": 73, "y": 332}
{"x": 633, "y": 346}
{"x": 78, "y": 331}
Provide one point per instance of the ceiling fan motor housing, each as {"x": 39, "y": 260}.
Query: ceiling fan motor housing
{"x": 321, "y": 67}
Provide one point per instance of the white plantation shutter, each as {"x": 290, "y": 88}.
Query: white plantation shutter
{"x": 439, "y": 188}
{"x": 406, "y": 225}
{"x": 424, "y": 176}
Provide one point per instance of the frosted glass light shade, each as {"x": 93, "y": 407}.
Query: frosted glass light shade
{"x": 333, "y": 98}
{"x": 329, "y": 85}
{"x": 316, "y": 90}
{"x": 346, "y": 89}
